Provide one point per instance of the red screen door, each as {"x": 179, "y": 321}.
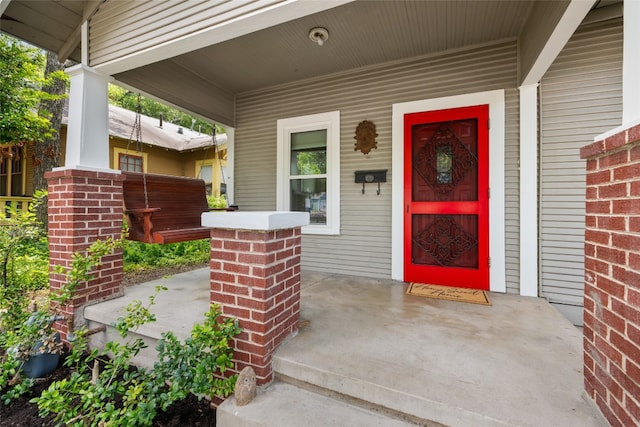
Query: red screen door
{"x": 446, "y": 194}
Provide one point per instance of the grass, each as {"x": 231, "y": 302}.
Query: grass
{"x": 141, "y": 256}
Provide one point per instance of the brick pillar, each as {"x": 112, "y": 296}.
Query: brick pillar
{"x": 612, "y": 276}
{"x": 84, "y": 206}
{"x": 255, "y": 276}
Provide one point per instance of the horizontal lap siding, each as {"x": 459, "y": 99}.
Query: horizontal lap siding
{"x": 364, "y": 245}
{"x": 581, "y": 97}
{"x": 121, "y": 28}
{"x": 512, "y": 191}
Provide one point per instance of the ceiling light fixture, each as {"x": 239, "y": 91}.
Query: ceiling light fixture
{"x": 318, "y": 35}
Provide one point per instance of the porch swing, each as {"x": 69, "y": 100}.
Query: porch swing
{"x": 163, "y": 208}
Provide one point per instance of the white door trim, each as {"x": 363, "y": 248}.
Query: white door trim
{"x": 496, "y": 102}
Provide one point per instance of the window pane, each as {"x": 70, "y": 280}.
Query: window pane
{"x": 206, "y": 174}
{"x": 309, "y": 153}
{"x": 310, "y": 195}
{"x": 4, "y": 175}
{"x": 16, "y": 172}
{"x": 16, "y": 184}
{"x": 130, "y": 163}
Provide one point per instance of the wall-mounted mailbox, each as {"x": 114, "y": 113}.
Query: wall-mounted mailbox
{"x": 374, "y": 176}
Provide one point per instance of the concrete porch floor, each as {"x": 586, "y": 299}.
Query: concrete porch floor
{"x": 371, "y": 355}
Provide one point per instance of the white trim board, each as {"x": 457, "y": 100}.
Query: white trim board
{"x": 495, "y": 100}
{"x": 529, "y": 190}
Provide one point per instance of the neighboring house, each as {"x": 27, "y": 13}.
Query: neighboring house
{"x": 480, "y": 109}
{"x": 164, "y": 148}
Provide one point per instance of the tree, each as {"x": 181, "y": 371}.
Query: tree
{"x": 127, "y": 99}
{"x": 46, "y": 153}
{"x": 31, "y": 103}
{"x": 21, "y": 68}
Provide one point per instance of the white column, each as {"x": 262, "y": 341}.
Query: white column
{"x": 631, "y": 63}
{"x": 88, "y": 128}
{"x": 529, "y": 190}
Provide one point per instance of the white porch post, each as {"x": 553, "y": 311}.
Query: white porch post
{"x": 631, "y": 63}
{"x": 529, "y": 190}
{"x": 88, "y": 128}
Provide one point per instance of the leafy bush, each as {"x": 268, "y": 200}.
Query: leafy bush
{"x": 119, "y": 395}
{"x": 216, "y": 202}
{"x": 25, "y": 334}
{"x": 139, "y": 256}
{"x": 19, "y": 231}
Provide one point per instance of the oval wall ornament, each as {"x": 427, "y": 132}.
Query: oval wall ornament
{"x": 366, "y": 137}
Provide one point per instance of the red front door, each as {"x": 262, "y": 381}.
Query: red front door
{"x": 446, "y": 195}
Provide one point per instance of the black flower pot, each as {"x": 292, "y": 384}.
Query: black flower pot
{"x": 39, "y": 364}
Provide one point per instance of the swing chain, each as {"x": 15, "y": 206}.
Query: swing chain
{"x": 137, "y": 129}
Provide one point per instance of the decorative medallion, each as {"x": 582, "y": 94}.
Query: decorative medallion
{"x": 445, "y": 240}
{"x": 366, "y": 137}
{"x": 444, "y": 161}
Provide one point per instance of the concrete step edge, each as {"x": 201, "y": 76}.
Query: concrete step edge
{"x": 410, "y": 407}
{"x": 286, "y": 405}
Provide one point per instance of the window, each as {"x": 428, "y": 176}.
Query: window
{"x": 309, "y": 169}
{"x": 205, "y": 173}
{"x": 129, "y": 161}
{"x": 214, "y": 173}
{"x": 12, "y": 179}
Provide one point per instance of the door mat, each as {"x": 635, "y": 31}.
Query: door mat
{"x": 473, "y": 296}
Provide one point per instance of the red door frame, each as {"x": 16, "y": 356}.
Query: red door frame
{"x": 450, "y": 276}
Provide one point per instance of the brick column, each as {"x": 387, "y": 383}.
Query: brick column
{"x": 84, "y": 206}
{"x": 255, "y": 276}
{"x": 612, "y": 276}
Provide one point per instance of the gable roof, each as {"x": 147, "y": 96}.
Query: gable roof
{"x": 169, "y": 135}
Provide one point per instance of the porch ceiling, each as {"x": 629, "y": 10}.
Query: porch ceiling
{"x": 361, "y": 33}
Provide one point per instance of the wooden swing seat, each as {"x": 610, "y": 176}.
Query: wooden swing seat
{"x": 172, "y": 211}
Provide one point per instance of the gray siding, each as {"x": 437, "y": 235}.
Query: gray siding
{"x": 364, "y": 246}
{"x": 512, "y": 191}
{"x": 121, "y": 28}
{"x": 581, "y": 97}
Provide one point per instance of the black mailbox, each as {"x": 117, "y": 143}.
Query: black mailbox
{"x": 371, "y": 176}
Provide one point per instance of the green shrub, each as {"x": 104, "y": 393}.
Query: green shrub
{"x": 19, "y": 231}
{"x": 216, "y": 202}
{"x": 138, "y": 256}
{"x": 21, "y": 338}
{"x": 119, "y": 395}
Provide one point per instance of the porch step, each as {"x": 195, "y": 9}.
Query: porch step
{"x": 179, "y": 307}
{"x": 286, "y": 405}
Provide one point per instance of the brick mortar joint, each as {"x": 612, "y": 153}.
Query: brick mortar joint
{"x": 606, "y": 153}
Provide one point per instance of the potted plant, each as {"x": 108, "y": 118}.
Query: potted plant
{"x": 38, "y": 345}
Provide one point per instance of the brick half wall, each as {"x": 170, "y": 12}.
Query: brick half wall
{"x": 84, "y": 206}
{"x": 612, "y": 276}
{"x": 255, "y": 276}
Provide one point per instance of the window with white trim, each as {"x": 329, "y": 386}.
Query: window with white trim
{"x": 309, "y": 169}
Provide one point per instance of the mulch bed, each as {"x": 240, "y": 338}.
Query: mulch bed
{"x": 22, "y": 413}
{"x": 189, "y": 412}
